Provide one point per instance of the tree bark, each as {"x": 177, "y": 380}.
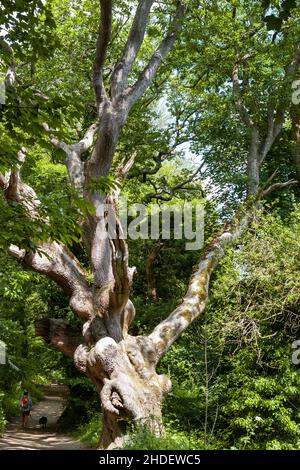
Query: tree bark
{"x": 123, "y": 372}
{"x": 151, "y": 281}
{"x": 253, "y": 164}
{"x": 295, "y": 115}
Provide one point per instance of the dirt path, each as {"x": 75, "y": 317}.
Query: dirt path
{"x": 33, "y": 437}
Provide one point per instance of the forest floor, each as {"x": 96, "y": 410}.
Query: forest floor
{"x": 33, "y": 437}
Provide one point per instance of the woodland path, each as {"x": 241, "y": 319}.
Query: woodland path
{"x": 35, "y": 438}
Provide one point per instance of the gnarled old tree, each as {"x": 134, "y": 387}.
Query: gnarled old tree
{"x": 122, "y": 367}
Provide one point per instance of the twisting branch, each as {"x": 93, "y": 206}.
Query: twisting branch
{"x": 196, "y": 298}
{"x": 103, "y": 39}
{"x": 276, "y": 186}
{"x": 147, "y": 76}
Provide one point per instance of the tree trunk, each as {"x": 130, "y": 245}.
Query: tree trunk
{"x": 123, "y": 372}
{"x": 295, "y": 115}
{"x": 151, "y": 281}
{"x": 253, "y": 164}
{"x": 129, "y": 388}
{"x": 115, "y": 428}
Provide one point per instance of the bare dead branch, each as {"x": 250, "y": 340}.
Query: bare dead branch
{"x": 276, "y": 186}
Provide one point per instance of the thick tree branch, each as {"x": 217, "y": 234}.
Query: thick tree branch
{"x": 103, "y": 40}
{"x": 59, "y": 334}
{"x": 196, "y": 298}
{"x": 59, "y": 264}
{"x": 276, "y": 116}
{"x": 132, "y": 46}
{"x": 236, "y": 88}
{"x": 148, "y": 74}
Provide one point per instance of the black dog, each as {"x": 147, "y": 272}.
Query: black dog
{"x": 43, "y": 422}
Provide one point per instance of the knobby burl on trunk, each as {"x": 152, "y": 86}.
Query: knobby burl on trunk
{"x": 122, "y": 367}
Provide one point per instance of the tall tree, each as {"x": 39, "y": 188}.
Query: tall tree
{"x": 122, "y": 367}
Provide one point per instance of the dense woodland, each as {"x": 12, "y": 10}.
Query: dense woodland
{"x": 162, "y": 102}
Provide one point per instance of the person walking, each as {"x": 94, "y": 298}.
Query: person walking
{"x": 25, "y": 407}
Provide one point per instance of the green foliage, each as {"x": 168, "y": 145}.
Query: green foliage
{"x": 29, "y": 360}
{"x": 81, "y": 406}
{"x": 235, "y": 385}
{"x": 142, "y": 439}
{"x": 89, "y": 433}
{"x": 2, "y": 417}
